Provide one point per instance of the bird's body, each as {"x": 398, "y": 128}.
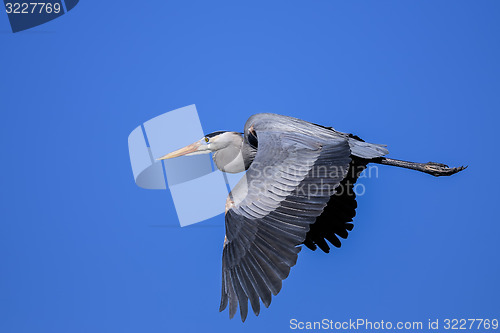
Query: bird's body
{"x": 298, "y": 189}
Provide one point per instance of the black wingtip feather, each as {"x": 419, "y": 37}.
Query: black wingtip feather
{"x": 340, "y": 210}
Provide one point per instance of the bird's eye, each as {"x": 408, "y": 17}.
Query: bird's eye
{"x": 206, "y": 140}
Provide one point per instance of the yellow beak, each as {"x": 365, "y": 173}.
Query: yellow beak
{"x": 183, "y": 151}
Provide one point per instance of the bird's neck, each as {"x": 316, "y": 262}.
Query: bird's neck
{"x": 230, "y": 158}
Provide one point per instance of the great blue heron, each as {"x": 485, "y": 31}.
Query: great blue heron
{"x": 297, "y": 190}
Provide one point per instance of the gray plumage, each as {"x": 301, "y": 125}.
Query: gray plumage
{"x": 269, "y": 215}
{"x": 289, "y": 196}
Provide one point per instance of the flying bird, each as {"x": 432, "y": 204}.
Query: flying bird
{"x": 297, "y": 190}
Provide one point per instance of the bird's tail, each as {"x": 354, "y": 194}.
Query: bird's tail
{"x": 364, "y": 149}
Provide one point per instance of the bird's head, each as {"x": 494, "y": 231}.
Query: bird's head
{"x": 210, "y": 143}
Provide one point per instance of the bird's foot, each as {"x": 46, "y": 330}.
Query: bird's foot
{"x": 439, "y": 169}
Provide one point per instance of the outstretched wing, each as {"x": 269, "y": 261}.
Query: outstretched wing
{"x": 335, "y": 221}
{"x": 269, "y": 212}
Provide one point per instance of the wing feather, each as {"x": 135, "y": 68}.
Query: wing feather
{"x": 272, "y": 208}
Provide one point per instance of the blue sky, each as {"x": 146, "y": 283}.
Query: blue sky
{"x": 83, "y": 249}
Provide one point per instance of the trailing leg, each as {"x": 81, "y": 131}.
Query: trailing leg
{"x": 432, "y": 168}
